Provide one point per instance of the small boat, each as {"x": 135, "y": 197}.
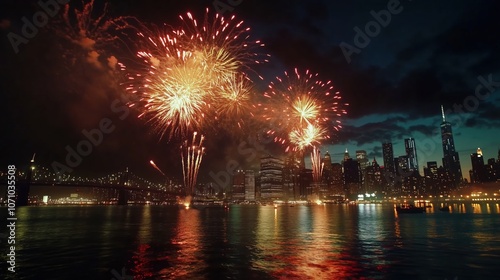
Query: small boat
{"x": 409, "y": 208}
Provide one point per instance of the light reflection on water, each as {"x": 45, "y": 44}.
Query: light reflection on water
{"x": 257, "y": 242}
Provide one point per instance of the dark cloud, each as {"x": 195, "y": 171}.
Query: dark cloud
{"x": 375, "y": 132}
{"x": 376, "y": 152}
{"x": 427, "y": 130}
{"x": 486, "y": 116}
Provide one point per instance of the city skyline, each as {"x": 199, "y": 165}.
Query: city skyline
{"x": 399, "y": 149}
{"x": 394, "y": 85}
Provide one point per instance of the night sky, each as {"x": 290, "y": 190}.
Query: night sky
{"x": 430, "y": 53}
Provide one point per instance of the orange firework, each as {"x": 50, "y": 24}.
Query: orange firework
{"x": 222, "y": 43}
{"x": 191, "y": 155}
{"x": 194, "y": 72}
{"x": 302, "y": 109}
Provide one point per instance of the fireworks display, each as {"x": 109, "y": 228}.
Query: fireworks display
{"x": 198, "y": 76}
{"x": 191, "y": 155}
{"x": 302, "y": 110}
{"x": 194, "y": 75}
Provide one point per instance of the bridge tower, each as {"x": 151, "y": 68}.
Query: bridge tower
{"x": 123, "y": 194}
{"x": 23, "y": 188}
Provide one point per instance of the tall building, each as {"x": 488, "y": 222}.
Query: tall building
{"x": 362, "y": 159}
{"x": 373, "y": 179}
{"x": 402, "y": 166}
{"x": 327, "y": 163}
{"x": 250, "y": 185}
{"x": 346, "y": 155}
{"x": 451, "y": 160}
{"x": 478, "y": 174}
{"x": 491, "y": 170}
{"x": 291, "y": 173}
{"x": 411, "y": 154}
{"x": 327, "y": 176}
{"x": 363, "y": 164}
{"x": 306, "y": 181}
{"x": 498, "y": 166}
{"x": 431, "y": 178}
{"x": 352, "y": 176}
{"x": 337, "y": 180}
{"x": 271, "y": 178}
{"x": 388, "y": 154}
{"x": 238, "y": 187}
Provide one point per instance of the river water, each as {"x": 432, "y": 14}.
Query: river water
{"x": 254, "y": 242}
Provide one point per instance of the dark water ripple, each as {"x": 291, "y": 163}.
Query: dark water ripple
{"x": 255, "y": 242}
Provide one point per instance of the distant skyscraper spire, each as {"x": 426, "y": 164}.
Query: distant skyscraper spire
{"x": 346, "y": 155}
{"x": 451, "y": 159}
{"x": 442, "y": 113}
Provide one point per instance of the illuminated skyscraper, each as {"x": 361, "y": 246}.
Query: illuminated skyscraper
{"x": 479, "y": 173}
{"x": 271, "y": 178}
{"x": 362, "y": 158}
{"x": 346, "y": 155}
{"x": 411, "y": 154}
{"x": 451, "y": 161}
{"x": 238, "y": 187}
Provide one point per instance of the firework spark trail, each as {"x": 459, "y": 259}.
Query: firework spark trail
{"x": 191, "y": 157}
{"x": 317, "y": 165}
{"x": 156, "y": 167}
{"x": 300, "y": 104}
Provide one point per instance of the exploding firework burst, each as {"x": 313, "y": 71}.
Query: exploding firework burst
{"x": 306, "y": 137}
{"x": 191, "y": 155}
{"x": 233, "y": 103}
{"x": 195, "y": 75}
{"x": 222, "y": 43}
{"x": 177, "y": 98}
{"x": 302, "y": 109}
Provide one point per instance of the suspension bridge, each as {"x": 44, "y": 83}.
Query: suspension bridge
{"x": 125, "y": 183}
